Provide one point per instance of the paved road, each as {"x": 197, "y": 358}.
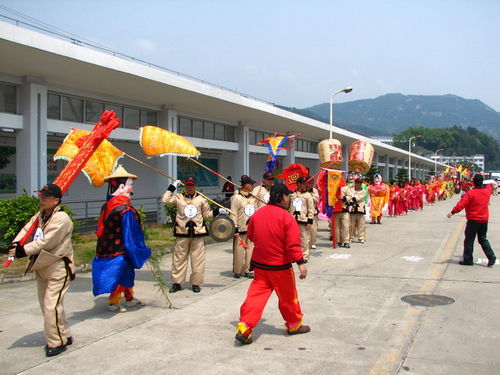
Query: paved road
{"x": 351, "y": 299}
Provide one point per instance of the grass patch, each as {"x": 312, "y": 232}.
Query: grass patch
{"x": 158, "y": 237}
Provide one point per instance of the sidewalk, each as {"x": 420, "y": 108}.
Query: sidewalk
{"x": 351, "y": 299}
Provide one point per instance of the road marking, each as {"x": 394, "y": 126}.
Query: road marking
{"x": 339, "y": 256}
{"x": 402, "y": 337}
{"x": 412, "y": 258}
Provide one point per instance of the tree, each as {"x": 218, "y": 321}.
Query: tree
{"x": 373, "y": 171}
{"x": 402, "y": 176}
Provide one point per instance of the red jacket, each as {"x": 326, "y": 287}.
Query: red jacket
{"x": 276, "y": 238}
{"x": 475, "y": 202}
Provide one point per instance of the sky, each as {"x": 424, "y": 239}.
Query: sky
{"x": 296, "y": 53}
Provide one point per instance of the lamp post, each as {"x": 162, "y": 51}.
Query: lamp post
{"x": 435, "y": 160}
{"x": 346, "y": 90}
{"x": 409, "y": 155}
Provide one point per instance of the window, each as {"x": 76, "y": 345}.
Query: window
{"x": 93, "y": 111}
{"x": 72, "y": 109}
{"x": 252, "y": 137}
{"x": 230, "y": 133}
{"x": 54, "y": 106}
{"x": 132, "y": 118}
{"x": 117, "y": 108}
{"x": 8, "y": 98}
{"x": 219, "y": 132}
{"x": 209, "y": 130}
{"x": 148, "y": 118}
{"x": 197, "y": 128}
{"x": 185, "y": 127}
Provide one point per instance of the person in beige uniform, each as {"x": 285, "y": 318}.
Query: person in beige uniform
{"x": 302, "y": 208}
{"x": 356, "y": 196}
{"x": 342, "y": 219}
{"x": 243, "y": 206}
{"x": 261, "y": 192}
{"x": 51, "y": 257}
{"x": 315, "y": 194}
{"x": 189, "y": 233}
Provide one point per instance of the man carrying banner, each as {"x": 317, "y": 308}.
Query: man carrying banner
{"x": 51, "y": 257}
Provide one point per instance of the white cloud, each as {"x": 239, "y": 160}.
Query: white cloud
{"x": 145, "y": 45}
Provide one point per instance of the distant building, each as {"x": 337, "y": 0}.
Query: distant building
{"x": 476, "y": 159}
{"x": 387, "y": 140}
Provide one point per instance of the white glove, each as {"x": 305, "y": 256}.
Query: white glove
{"x": 176, "y": 183}
{"x": 222, "y": 211}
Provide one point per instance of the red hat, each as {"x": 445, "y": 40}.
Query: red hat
{"x": 190, "y": 181}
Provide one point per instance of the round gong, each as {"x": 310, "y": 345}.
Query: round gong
{"x": 222, "y": 228}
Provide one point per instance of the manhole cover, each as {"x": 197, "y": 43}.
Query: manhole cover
{"x": 427, "y": 300}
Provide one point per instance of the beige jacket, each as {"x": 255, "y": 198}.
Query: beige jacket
{"x": 53, "y": 246}
{"x": 193, "y": 210}
{"x": 357, "y": 206}
{"x": 261, "y": 193}
{"x": 315, "y": 195}
{"x": 243, "y": 207}
{"x": 302, "y": 207}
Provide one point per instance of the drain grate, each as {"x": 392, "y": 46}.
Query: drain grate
{"x": 427, "y": 300}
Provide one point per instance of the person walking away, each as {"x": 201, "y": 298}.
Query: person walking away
{"x": 475, "y": 202}
{"x": 302, "y": 208}
{"x": 276, "y": 236}
{"x": 51, "y": 258}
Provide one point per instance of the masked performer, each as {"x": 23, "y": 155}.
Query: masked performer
{"x": 379, "y": 197}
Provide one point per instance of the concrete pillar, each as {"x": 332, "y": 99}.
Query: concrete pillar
{"x": 242, "y": 156}
{"x": 31, "y": 141}
{"x": 385, "y": 175}
{"x": 345, "y": 157}
{"x": 289, "y": 158}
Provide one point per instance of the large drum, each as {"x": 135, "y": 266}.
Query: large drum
{"x": 330, "y": 154}
{"x": 361, "y": 156}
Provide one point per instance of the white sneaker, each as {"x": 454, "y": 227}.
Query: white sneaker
{"x": 313, "y": 246}
{"x": 133, "y": 302}
{"x": 362, "y": 241}
{"x": 116, "y": 308}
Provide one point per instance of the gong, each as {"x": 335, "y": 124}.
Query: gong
{"x": 222, "y": 228}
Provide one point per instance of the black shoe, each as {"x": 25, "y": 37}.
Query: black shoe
{"x": 346, "y": 245}
{"x": 69, "y": 341}
{"x": 236, "y": 276}
{"x": 196, "y": 288}
{"x": 50, "y": 352}
{"x": 249, "y": 275}
{"x": 491, "y": 261}
{"x": 302, "y": 329}
{"x": 463, "y": 263}
{"x": 175, "y": 288}
{"x": 340, "y": 244}
{"x": 246, "y": 338}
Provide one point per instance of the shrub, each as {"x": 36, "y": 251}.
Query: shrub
{"x": 16, "y": 212}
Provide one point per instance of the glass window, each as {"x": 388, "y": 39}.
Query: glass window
{"x": 209, "y": 130}
{"x": 72, "y": 109}
{"x": 117, "y": 108}
{"x": 197, "y": 128}
{"x": 93, "y": 111}
{"x": 219, "y": 132}
{"x": 54, "y": 106}
{"x": 132, "y": 118}
{"x": 252, "y": 137}
{"x": 259, "y": 136}
{"x": 149, "y": 118}
{"x": 230, "y": 134}
{"x": 185, "y": 127}
{"x": 8, "y": 98}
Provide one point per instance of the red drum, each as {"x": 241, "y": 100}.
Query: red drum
{"x": 330, "y": 154}
{"x": 361, "y": 156}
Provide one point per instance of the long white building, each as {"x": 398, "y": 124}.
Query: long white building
{"x": 50, "y": 84}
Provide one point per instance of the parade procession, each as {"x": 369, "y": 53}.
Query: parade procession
{"x": 271, "y": 226}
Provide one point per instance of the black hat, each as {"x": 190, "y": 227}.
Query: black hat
{"x": 246, "y": 180}
{"x": 268, "y": 176}
{"x": 301, "y": 180}
{"x": 50, "y": 190}
{"x": 478, "y": 179}
{"x": 278, "y": 190}
{"x": 190, "y": 181}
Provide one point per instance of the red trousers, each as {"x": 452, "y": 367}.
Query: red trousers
{"x": 283, "y": 283}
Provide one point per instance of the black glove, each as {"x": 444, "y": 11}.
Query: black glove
{"x": 171, "y": 188}
{"x": 20, "y": 253}
{"x": 354, "y": 199}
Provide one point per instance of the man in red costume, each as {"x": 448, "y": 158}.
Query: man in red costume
{"x": 379, "y": 198}
{"x": 276, "y": 238}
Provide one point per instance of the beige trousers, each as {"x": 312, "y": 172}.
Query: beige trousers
{"x": 242, "y": 256}
{"x": 357, "y": 221}
{"x": 314, "y": 230}
{"x": 305, "y": 240}
{"x": 194, "y": 248}
{"x": 52, "y": 284}
{"x": 342, "y": 227}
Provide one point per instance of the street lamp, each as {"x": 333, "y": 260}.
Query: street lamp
{"x": 435, "y": 160}
{"x": 409, "y": 155}
{"x": 346, "y": 90}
